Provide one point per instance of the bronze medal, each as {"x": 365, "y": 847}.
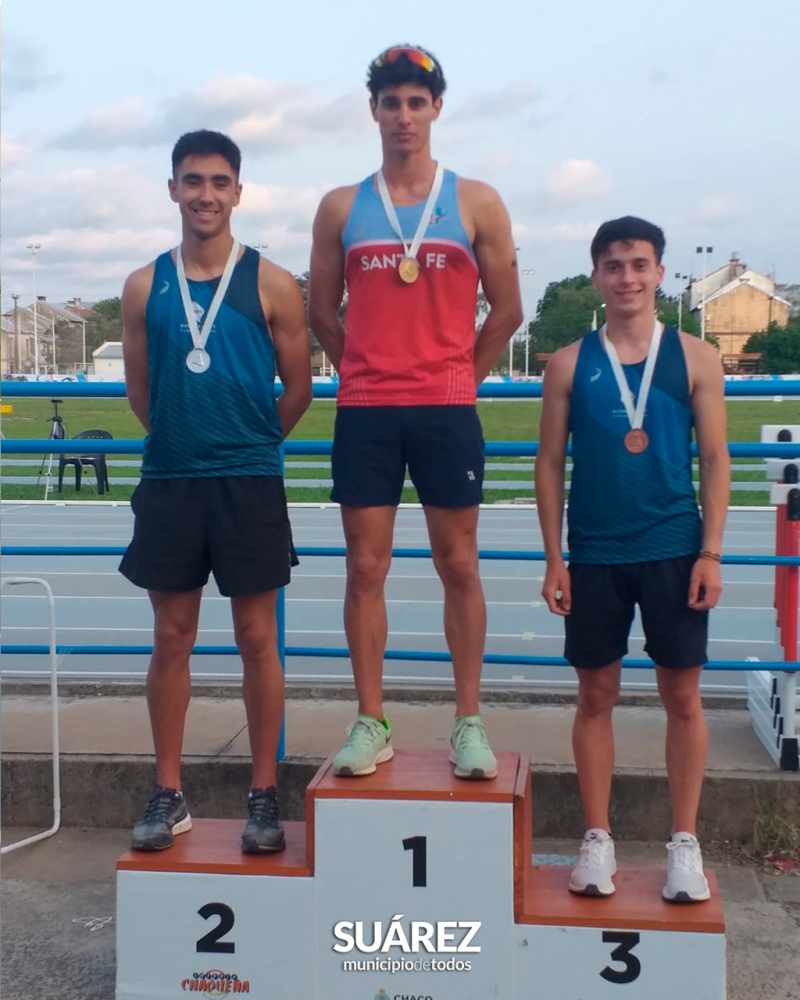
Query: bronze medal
{"x": 408, "y": 270}
{"x": 636, "y": 441}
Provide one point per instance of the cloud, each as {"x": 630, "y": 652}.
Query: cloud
{"x": 262, "y": 114}
{"x": 13, "y": 153}
{"x": 497, "y": 104}
{"x": 24, "y": 67}
{"x": 718, "y": 209}
{"x": 576, "y": 181}
{"x": 560, "y": 234}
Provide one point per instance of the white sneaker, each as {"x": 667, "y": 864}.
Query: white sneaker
{"x": 686, "y": 882}
{"x": 596, "y": 865}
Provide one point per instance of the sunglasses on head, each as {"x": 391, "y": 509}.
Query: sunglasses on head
{"x": 416, "y": 56}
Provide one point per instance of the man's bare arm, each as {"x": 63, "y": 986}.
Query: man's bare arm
{"x": 550, "y": 467}
{"x": 134, "y": 342}
{"x": 283, "y": 307}
{"x": 708, "y": 408}
{"x": 497, "y": 262}
{"x": 326, "y": 276}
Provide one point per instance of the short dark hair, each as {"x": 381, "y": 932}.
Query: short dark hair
{"x": 626, "y": 229}
{"x": 396, "y": 65}
{"x": 204, "y": 142}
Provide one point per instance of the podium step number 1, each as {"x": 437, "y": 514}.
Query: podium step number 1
{"x": 408, "y": 884}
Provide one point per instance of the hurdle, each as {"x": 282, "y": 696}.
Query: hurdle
{"x": 772, "y": 696}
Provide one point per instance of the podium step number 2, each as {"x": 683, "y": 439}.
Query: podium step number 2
{"x": 409, "y": 884}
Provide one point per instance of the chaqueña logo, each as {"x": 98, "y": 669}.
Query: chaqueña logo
{"x": 215, "y": 983}
{"x": 443, "y": 937}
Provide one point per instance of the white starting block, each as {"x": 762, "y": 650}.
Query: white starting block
{"x": 408, "y": 884}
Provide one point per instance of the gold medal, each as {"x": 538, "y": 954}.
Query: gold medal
{"x": 408, "y": 270}
{"x": 636, "y": 441}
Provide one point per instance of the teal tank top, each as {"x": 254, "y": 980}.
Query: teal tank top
{"x": 223, "y": 422}
{"x": 627, "y": 508}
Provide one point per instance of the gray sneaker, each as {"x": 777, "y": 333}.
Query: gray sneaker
{"x": 165, "y": 817}
{"x": 264, "y": 830}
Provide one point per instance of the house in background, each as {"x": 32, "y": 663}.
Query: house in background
{"x": 107, "y": 360}
{"x": 738, "y": 302}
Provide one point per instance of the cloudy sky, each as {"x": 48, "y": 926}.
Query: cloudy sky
{"x": 684, "y": 112}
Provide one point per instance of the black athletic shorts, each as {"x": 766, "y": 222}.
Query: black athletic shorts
{"x": 441, "y": 445}
{"x": 603, "y": 601}
{"x": 234, "y": 526}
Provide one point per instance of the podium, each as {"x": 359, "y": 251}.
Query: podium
{"x": 407, "y": 884}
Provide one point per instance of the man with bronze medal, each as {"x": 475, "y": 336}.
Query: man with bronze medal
{"x": 206, "y": 326}
{"x": 630, "y": 396}
{"x": 411, "y": 244}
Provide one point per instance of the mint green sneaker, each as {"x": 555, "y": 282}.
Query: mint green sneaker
{"x": 367, "y": 746}
{"x": 471, "y": 752}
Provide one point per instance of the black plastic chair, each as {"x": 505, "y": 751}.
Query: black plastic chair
{"x": 97, "y": 462}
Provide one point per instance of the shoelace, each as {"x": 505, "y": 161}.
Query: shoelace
{"x": 262, "y": 806}
{"x": 595, "y": 851}
{"x": 478, "y": 732}
{"x": 160, "y": 806}
{"x": 684, "y": 855}
{"x": 373, "y": 733}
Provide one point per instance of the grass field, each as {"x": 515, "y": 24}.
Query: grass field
{"x": 503, "y": 420}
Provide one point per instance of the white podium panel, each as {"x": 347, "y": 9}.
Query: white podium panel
{"x": 582, "y": 963}
{"x": 629, "y": 946}
{"x": 414, "y": 897}
{"x": 181, "y": 930}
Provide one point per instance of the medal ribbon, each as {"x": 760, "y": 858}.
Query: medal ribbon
{"x": 199, "y": 337}
{"x": 412, "y": 248}
{"x": 635, "y": 414}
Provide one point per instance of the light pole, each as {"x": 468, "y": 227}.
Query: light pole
{"x": 261, "y": 247}
{"x": 527, "y": 272}
{"x": 83, "y": 339}
{"x": 681, "y": 278}
{"x": 34, "y": 249}
{"x": 17, "y": 345}
{"x": 704, "y": 253}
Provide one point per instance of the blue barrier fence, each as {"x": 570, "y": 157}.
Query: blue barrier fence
{"x": 499, "y": 390}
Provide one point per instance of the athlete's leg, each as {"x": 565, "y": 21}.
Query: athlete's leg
{"x": 687, "y": 743}
{"x": 256, "y": 635}
{"x": 368, "y": 533}
{"x": 593, "y": 740}
{"x": 454, "y": 546}
{"x": 168, "y": 680}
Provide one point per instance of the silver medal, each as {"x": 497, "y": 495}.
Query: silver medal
{"x": 198, "y": 361}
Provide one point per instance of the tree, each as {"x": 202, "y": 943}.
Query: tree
{"x": 779, "y": 347}
{"x": 103, "y": 323}
{"x": 565, "y": 313}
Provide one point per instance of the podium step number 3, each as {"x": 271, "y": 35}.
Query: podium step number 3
{"x": 409, "y": 883}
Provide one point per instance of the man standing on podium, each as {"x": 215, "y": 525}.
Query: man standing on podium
{"x": 205, "y": 328}
{"x": 411, "y": 243}
{"x": 630, "y": 394}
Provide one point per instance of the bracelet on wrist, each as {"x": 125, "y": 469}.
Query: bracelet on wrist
{"x": 708, "y": 554}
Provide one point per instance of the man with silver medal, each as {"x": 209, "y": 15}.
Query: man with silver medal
{"x": 631, "y": 395}
{"x": 411, "y": 243}
{"x": 206, "y": 327}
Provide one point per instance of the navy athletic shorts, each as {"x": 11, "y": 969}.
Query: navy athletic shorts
{"x": 234, "y": 526}
{"x": 441, "y": 445}
{"x": 603, "y": 604}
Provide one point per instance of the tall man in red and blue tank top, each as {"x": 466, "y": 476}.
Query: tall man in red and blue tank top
{"x": 630, "y": 395}
{"x": 411, "y": 243}
{"x": 206, "y": 326}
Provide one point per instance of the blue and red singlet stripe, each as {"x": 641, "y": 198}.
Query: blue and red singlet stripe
{"x": 408, "y": 344}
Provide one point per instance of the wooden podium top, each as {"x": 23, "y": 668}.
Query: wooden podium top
{"x": 419, "y": 774}
{"x": 213, "y": 846}
{"x": 637, "y": 903}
